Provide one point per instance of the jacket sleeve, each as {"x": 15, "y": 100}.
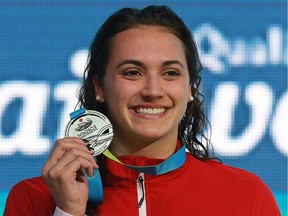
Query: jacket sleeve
{"x": 18, "y": 202}
{"x": 30, "y": 197}
{"x": 264, "y": 202}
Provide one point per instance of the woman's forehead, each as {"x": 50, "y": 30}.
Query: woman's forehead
{"x": 139, "y": 41}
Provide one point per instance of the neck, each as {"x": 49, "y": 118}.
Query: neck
{"x": 159, "y": 149}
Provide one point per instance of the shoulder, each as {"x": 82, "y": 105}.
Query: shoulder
{"x": 29, "y": 195}
{"x": 233, "y": 185}
{"x": 220, "y": 171}
{"x": 35, "y": 186}
{"x": 224, "y": 178}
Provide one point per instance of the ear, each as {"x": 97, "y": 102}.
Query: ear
{"x": 98, "y": 90}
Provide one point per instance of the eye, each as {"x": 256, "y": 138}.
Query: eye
{"x": 171, "y": 74}
{"x": 132, "y": 74}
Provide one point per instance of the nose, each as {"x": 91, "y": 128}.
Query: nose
{"x": 152, "y": 87}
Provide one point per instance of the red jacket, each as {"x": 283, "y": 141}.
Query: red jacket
{"x": 197, "y": 188}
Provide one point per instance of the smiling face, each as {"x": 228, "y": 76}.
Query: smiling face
{"x": 146, "y": 85}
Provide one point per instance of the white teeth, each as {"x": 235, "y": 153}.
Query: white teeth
{"x": 151, "y": 110}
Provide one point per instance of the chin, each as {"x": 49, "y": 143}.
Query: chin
{"x": 151, "y": 135}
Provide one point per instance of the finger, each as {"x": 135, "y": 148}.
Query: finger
{"x": 71, "y": 170}
{"x": 60, "y": 148}
{"x": 71, "y": 155}
{"x": 63, "y": 145}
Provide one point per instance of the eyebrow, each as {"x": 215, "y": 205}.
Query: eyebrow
{"x": 170, "y": 62}
{"x": 131, "y": 61}
{"x": 141, "y": 64}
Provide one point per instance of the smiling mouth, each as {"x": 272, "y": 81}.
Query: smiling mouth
{"x": 151, "y": 111}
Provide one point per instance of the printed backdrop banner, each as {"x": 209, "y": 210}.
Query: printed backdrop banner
{"x": 243, "y": 47}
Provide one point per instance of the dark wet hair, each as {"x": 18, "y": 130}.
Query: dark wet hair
{"x": 194, "y": 122}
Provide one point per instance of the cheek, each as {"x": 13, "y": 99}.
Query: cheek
{"x": 180, "y": 91}
{"x": 120, "y": 91}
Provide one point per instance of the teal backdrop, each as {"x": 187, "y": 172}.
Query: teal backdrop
{"x": 243, "y": 47}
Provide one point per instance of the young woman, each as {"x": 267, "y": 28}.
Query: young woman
{"x": 143, "y": 74}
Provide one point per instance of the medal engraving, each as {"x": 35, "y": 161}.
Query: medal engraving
{"x": 93, "y": 128}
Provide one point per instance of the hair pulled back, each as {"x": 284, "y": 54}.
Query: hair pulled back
{"x": 194, "y": 122}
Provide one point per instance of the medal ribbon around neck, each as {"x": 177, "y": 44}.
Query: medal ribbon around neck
{"x": 98, "y": 135}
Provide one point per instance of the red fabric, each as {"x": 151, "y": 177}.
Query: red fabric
{"x": 30, "y": 197}
{"x": 197, "y": 188}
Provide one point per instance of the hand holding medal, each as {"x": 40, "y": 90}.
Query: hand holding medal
{"x": 88, "y": 134}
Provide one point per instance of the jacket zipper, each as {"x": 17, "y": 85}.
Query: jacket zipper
{"x": 141, "y": 195}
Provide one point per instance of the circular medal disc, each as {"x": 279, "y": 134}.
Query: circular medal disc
{"x": 93, "y": 128}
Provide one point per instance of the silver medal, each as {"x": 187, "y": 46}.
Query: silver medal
{"x": 93, "y": 128}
